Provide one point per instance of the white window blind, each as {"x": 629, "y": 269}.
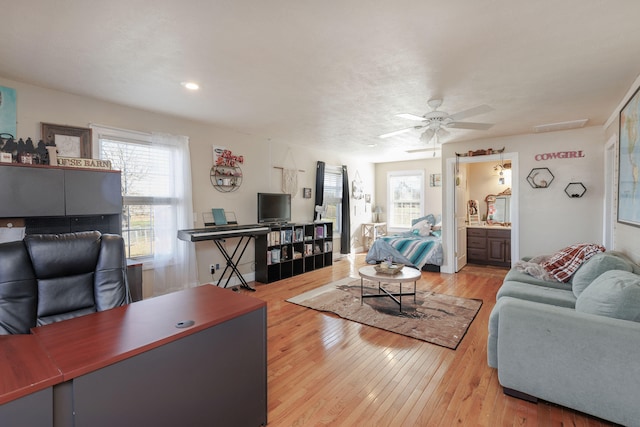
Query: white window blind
{"x": 405, "y": 191}
{"x": 148, "y": 189}
{"x": 332, "y": 196}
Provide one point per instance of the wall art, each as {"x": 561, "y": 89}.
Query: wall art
{"x": 629, "y": 166}
{"x": 70, "y": 141}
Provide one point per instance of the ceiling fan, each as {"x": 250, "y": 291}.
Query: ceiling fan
{"x": 436, "y": 122}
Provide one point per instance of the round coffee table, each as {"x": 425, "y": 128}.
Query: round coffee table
{"x": 407, "y": 274}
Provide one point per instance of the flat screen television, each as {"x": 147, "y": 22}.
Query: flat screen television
{"x": 274, "y": 208}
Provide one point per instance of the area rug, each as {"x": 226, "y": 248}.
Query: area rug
{"x": 435, "y": 318}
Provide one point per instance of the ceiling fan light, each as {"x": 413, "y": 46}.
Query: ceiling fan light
{"x": 427, "y": 135}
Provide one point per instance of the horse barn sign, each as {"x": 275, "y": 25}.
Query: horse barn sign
{"x": 560, "y": 155}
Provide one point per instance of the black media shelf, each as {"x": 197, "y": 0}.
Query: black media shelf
{"x": 292, "y": 249}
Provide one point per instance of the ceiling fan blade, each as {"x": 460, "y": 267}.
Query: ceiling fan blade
{"x": 410, "y": 116}
{"x": 395, "y": 132}
{"x": 398, "y": 132}
{"x": 480, "y": 109}
{"x": 470, "y": 125}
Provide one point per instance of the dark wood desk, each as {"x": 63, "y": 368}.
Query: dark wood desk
{"x": 140, "y": 365}
{"x": 27, "y": 379}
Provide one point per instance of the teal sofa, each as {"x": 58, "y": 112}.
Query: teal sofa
{"x": 575, "y": 344}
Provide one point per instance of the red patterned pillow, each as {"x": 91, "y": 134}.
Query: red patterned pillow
{"x": 566, "y": 261}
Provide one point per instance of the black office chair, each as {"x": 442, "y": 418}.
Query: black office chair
{"x": 47, "y": 278}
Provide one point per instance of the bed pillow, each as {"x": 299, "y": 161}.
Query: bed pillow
{"x": 430, "y": 218}
{"x": 422, "y": 228}
{"x": 614, "y": 293}
{"x": 593, "y": 268}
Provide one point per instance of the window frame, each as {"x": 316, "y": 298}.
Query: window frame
{"x": 335, "y": 171}
{"x": 141, "y": 139}
{"x": 419, "y": 174}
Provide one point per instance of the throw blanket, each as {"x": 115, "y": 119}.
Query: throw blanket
{"x": 534, "y": 268}
{"x": 566, "y": 261}
{"x": 414, "y": 249}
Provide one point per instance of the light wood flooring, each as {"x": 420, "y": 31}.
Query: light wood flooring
{"x": 323, "y": 370}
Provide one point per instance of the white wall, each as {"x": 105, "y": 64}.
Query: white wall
{"x": 36, "y": 104}
{"x": 549, "y": 219}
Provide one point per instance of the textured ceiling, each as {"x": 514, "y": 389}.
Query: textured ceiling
{"x": 334, "y": 74}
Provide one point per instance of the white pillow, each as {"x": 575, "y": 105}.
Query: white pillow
{"x": 422, "y": 228}
{"x": 419, "y": 225}
{"x": 425, "y": 231}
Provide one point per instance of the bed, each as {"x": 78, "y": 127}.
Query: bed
{"x": 420, "y": 247}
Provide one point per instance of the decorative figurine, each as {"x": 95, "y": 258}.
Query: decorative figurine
{"x": 42, "y": 153}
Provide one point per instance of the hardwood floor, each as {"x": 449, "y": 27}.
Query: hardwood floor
{"x": 323, "y": 370}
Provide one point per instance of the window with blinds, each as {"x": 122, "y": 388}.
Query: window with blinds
{"x": 405, "y": 190}
{"x": 332, "y": 197}
{"x": 147, "y": 189}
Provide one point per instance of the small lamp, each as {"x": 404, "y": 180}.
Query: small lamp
{"x": 377, "y": 210}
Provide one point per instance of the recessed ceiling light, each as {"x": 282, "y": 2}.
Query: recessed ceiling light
{"x": 190, "y": 85}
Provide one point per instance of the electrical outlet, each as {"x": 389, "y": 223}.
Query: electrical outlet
{"x": 212, "y": 268}
{"x": 217, "y": 266}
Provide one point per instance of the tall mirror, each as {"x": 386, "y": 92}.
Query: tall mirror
{"x": 498, "y": 208}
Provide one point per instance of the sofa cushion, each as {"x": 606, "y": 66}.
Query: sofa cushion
{"x": 513, "y": 275}
{"x": 594, "y": 267}
{"x": 541, "y": 294}
{"x": 614, "y": 293}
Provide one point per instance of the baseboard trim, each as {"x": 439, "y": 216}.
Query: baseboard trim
{"x": 234, "y": 281}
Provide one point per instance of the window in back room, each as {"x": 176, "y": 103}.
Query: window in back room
{"x": 405, "y": 198}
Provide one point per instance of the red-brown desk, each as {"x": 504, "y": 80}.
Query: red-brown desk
{"x": 27, "y": 377}
{"x": 144, "y": 364}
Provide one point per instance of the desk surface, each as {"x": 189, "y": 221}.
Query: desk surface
{"x": 87, "y": 343}
{"x": 25, "y": 367}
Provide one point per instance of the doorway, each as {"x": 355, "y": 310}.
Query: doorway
{"x": 609, "y": 206}
{"x": 454, "y": 209}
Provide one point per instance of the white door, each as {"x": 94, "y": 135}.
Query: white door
{"x": 460, "y": 207}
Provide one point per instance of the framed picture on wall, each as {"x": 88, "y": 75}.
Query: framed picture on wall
{"x": 629, "y": 163}
{"x": 70, "y": 141}
{"x": 435, "y": 180}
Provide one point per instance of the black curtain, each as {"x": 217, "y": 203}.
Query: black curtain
{"x": 345, "y": 237}
{"x": 319, "y": 186}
